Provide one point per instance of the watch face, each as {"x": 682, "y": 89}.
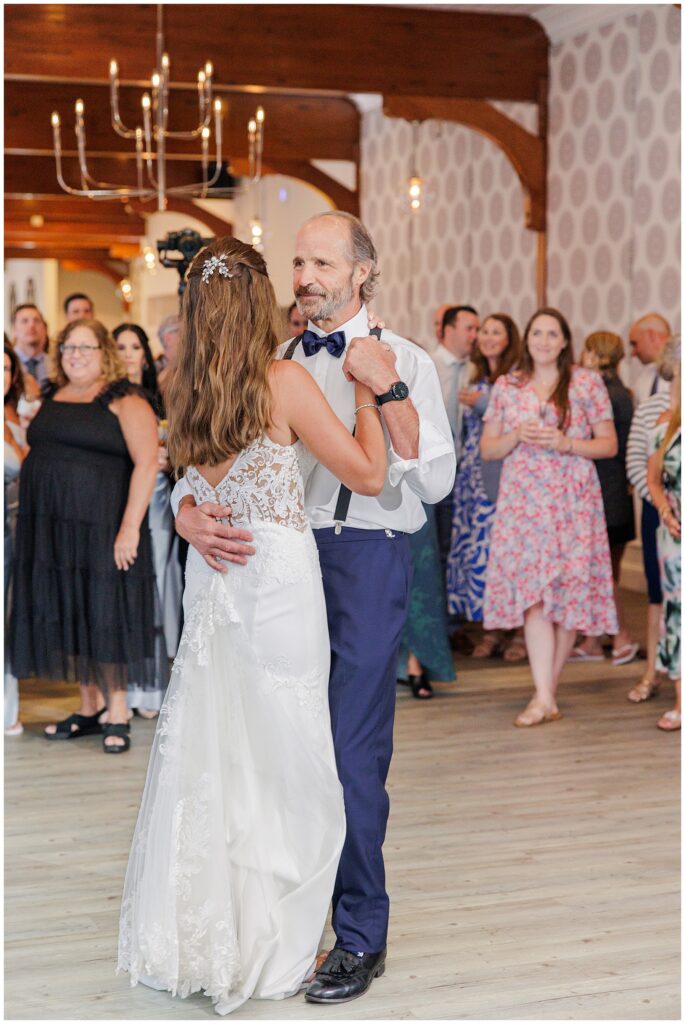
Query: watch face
{"x": 400, "y": 390}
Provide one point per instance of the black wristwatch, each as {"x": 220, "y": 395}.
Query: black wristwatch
{"x": 397, "y": 393}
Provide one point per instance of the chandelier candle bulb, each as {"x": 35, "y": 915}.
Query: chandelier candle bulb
{"x": 139, "y": 157}
{"x": 149, "y": 139}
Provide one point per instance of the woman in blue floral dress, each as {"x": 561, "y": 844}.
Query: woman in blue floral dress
{"x": 497, "y": 351}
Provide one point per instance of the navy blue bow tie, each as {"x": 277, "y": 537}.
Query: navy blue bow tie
{"x": 335, "y": 343}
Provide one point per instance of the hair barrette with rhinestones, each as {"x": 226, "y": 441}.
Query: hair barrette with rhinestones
{"x": 216, "y": 263}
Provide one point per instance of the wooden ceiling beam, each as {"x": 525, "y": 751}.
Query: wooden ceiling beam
{"x": 104, "y": 228}
{"x": 54, "y": 252}
{"x": 69, "y": 209}
{"x": 319, "y": 128}
{"x": 26, "y": 237}
{"x": 217, "y": 225}
{"x": 360, "y": 48}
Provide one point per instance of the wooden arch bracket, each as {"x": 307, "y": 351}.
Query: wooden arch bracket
{"x": 342, "y": 197}
{"x": 217, "y": 225}
{"x": 526, "y": 151}
{"x": 97, "y": 267}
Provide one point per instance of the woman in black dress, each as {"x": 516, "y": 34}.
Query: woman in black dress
{"x": 84, "y": 587}
{"x": 603, "y": 352}
{"x": 134, "y": 351}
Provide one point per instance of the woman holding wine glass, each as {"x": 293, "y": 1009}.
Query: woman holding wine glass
{"x": 549, "y": 567}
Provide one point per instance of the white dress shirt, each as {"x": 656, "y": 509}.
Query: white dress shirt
{"x": 408, "y": 481}
{"x": 453, "y": 376}
{"x": 644, "y": 385}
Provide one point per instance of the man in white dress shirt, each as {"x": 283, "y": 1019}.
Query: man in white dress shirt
{"x": 365, "y": 561}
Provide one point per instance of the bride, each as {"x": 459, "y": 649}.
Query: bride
{"x": 241, "y": 825}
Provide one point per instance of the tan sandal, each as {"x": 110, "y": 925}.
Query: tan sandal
{"x": 516, "y": 650}
{"x": 489, "y": 646}
{"x": 669, "y": 721}
{"x": 644, "y": 690}
{"x": 540, "y": 717}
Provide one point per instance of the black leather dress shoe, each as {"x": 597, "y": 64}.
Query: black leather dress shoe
{"x": 344, "y": 976}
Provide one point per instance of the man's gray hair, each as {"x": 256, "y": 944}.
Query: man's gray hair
{"x": 169, "y": 323}
{"x": 669, "y": 358}
{"x": 362, "y": 249}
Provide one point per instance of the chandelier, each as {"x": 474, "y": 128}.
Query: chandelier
{"x": 151, "y": 139}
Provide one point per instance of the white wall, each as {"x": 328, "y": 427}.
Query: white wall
{"x": 32, "y": 281}
{"x": 109, "y": 308}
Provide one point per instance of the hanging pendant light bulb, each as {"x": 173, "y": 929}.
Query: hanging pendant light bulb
{"x": 415, "y": 193}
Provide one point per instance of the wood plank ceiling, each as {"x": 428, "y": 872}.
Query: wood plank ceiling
{"x": 418, "y": 59}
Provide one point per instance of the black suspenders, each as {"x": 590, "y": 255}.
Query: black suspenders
{"x": 342, "y": 505}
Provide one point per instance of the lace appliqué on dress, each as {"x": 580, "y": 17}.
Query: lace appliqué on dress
{"x": 278, "y": 560}
{"x": 264, "y": 483}
{"x": 214, "y": 608}
{"x": 307, "y": 687}
{"x": 202, "y": 954}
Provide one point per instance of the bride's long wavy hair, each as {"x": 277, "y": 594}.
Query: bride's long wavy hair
{"x": 219, "y": 399}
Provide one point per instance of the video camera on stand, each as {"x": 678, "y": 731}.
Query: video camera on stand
{"x": 186, "y": 242}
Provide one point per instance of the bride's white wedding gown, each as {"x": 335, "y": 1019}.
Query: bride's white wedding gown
{"x": 241, "y": 825}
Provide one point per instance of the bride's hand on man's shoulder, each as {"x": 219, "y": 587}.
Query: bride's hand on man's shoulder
{"x": 217, "y": 542}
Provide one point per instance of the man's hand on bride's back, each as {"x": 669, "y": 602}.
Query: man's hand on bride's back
{"x": 214, "y": 540}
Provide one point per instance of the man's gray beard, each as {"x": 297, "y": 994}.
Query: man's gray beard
{"x": 330, "y": 305}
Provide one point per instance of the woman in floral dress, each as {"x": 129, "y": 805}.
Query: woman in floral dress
{"x": 549, "y": 567}
{"x": 663, "y": 480}
{"x": 497, "y": 351}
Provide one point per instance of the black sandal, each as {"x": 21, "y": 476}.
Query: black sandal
{"x": 419, "y": 684}
{"x": 121, "y": 730}
{"x": 86, "y": 725}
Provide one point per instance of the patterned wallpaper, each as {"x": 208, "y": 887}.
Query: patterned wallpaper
{"x": 614, "y": 174}
{"x": 470, "y": 244}
{"x": 613, "y": 193}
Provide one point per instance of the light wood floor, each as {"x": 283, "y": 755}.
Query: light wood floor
{"x": 533, "y": 874}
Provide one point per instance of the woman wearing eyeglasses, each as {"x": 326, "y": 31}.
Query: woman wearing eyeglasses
{"x": 84, "y": 587}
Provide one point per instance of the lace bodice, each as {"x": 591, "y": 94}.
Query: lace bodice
{"x": 263, "y": 484}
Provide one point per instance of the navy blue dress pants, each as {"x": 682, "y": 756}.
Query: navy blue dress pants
{"x": 650, "y": 555}
{"x": 366, "y": 579}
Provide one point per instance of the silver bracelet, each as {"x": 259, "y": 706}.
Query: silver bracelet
{"x": 367, "y": 405}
